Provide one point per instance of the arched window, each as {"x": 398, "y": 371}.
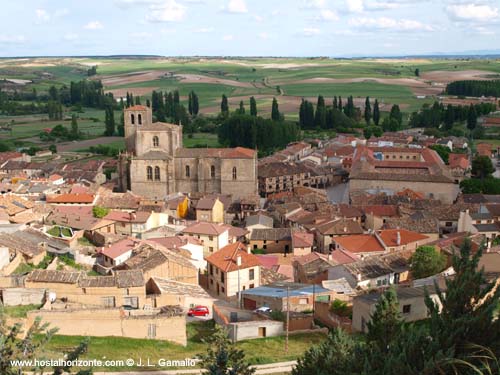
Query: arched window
{"x": 187, "y": 171}
{"x": 234, "y": 173}
{"x": 132, "y": 118}
{"x": 139, "y": 119}
{"x": 157, "y": 173}
{"x": 212, "y": 171}
{"x": 149, "y": 173}
{"x": 156, "y": 141}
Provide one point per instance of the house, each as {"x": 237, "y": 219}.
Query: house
{"x": 302, "y": 243}
{"x": 115, "y": 254}
{"x": 177, "y": 207}
{"x": 155, "y": 260}
{"x": 123, "y": 288}
{"x": 402, "y": 239}
{"x": 484, "y": 149}
{"x": 459, "y": 165}
{"x": 312, "y": 268}
{"x": 272, "y": 240}
{"x": 326, "y": 233}
{"x": 286, "y": 296}
{"x": 79, "y": 219}
{"x": 72, "y": 198}
{"x": 258, "y": 221}
{"x": 4, "y": 257}
{"x": 362, "y": 245}
{"x": 374, "y": 271}
{"x": 134, "y": 224}
{"x": 482, "y": 222}
{"x": 210, "y": 210}
{"x": 375, "y": 216}
{"x": 212, "y": 236}
{"x": 231, "y": 269}
{"x": 168, "y": 292}
{"x": 411, "y": 305}
{"x": 187, "y": 243}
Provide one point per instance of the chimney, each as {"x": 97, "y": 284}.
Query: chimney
{"x": 398, "y": 238}
{"x": 330, "y": 257}
{"x": 249, "y": 250}
{"x": 238, "y": 261}
{"x": 345, "y": 229}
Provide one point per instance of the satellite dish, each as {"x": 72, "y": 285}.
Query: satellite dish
{"x": 52, "y": 297}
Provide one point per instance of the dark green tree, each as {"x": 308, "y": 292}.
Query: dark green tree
{"x": 482, "y": 167}
{"x": 190, "y": 103}
{"x": 417, "y": 72}
{"x": 320, "y": 116}
{"x": 222, "y": 357}
{"x": 253, "y": 106}
{"x": 396, "y": 114}
{"x": 471, "y": 118}
{"x": 376, "y": 113}
{"x": 368, "y": 110}
{"x": 196, "y": 104}
{"x": 241, "y": 110}
{"x": 426, "y": 261}
{"x": 109, "y": 122}
{"x": 224, "y": 106}
{"x": 275, "y": 113}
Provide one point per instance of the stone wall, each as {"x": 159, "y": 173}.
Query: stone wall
{"x": 23, "y": 296}
{"x": 114, "y": 322}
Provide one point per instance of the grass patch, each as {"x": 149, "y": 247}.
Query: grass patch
{"x": 258, "y": 351}
{"x": 201, "y": 140}
{"x": 19, "y": 311}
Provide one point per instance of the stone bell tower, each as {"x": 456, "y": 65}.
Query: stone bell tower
{"x": 135, "y": 117}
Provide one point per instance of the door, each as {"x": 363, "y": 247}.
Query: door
{"x": 262, "y": 331}
{"x": 249, "y": 304}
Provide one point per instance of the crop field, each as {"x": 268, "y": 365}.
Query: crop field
{"x": 391, "y": 81}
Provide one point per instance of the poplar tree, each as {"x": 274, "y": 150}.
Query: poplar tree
{"x": 368, "y": 110}
{"x": 376, "y": 113}
{"x": 253, "y": 106}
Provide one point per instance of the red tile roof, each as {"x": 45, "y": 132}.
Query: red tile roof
{"x": 71, "y": 198}
{"x": 389, "y": 236}
{"x": 118, "y": 248}
{"x": 360, "y": 243}
{"x": 302, "y": 239}
{"x": 136, "y": 108}
{"x": 128, "y": 217}
{"x": 225, "y": 259}
{"x": 458, "y": 161}
{"x": 206, "y": 228}
{"x": 382, "y": 210}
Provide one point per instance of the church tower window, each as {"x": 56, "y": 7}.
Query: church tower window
{"x": 212, "y": 171}
{"x": 132, "y": 119}
{"x": 188, "y": 172}
{"x": 234, "y": 173}
{"x": 139, "y": 119}
{"x": 149, "y": 173}
{"x": 156, "y": 141}
{"x": 157, "y": 173}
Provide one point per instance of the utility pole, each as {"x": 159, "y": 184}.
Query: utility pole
{"x": 238, "y": 264}
{"x": 287, "y": 317}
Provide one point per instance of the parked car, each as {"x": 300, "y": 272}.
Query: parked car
{"x": 264, "y": 309}
{"x": 199, "y": 311}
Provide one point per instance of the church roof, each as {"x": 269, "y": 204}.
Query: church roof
{"x": 227, "y": 153}
{"x": 136, "y": 108}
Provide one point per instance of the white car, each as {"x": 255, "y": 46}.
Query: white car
{"x": 264, "y": 309}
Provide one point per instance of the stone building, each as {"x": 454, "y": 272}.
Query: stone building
{"x": 156, "y": 165}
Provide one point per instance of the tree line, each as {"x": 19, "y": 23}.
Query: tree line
{"x": 438, "y": 115}
{"x": 474, "y": 88}
{"x": 166, "y": 106}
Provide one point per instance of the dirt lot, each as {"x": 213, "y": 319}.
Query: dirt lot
{"x": 125, "y": 79}
{"x": 443, "y": 76}
{"x": 72, "y": 146}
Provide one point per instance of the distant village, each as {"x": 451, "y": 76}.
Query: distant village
{"x": 320, "y": 223}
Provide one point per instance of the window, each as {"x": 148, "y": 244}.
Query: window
{"x": 211, "y": 270}
{"x": 156, "y": 141}
{"x": 251, "y": 286}
{"x": 188, "y": 172}
{"x": 139, "y": 119}
{"x": 211, "y": 249}
{"x": 251, "y": 274}
{"x": 210, "y": 238}
{"x": 406, "y": 309}
{"x": 149, "y": 172}
{"x": 132, "y": 119}
{"x": 303, "y": 301}
{"x": 234, "y": 173}
{"x": 449, "y": 224}
{"x": 108, "y": 301}
{"x": 212, "y": 171}
{"x": 157, "y": 173}
{"x": 222, "y": 277}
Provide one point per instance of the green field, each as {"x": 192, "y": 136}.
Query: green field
{"x": 258, "y": 351}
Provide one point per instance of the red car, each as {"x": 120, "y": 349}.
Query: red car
{"x": 199, "y": 311}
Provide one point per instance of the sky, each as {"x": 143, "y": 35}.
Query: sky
{"x": 338, "y": 28}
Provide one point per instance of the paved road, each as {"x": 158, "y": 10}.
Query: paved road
{"x": 272, "y": 368}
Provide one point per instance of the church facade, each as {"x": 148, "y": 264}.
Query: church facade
{"x": 156, "y": 165}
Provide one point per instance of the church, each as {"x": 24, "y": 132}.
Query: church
{"x": 156, "y": 165}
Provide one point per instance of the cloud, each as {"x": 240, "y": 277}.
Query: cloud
{"x": 310, "y": 31}
{"x": 93, "y": 25}
{"x": 12, "y": 39}
{"x": 314, "y": 4}
{"x": 42, "y": 15}
{"x": 263, "y": 35}
{"x": 227, "y": 37}
{"x": 328, "y": 15}
{"x": 385, "y": 23}
{"x": 472, "y": 12}
{"x": 237, "y": 6}
{"x": 382, "y": 5}
{"x": 70, "y": 37}
{"x": 141, "y": 35}
{"x": 258, "y": 18}
{"x": 355, "y": 6}
{"x": 169, "y": 11}
{"x": 483, "y": 31}
{"x": 203, "y": 30}
{"x": 129, "y": 3}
